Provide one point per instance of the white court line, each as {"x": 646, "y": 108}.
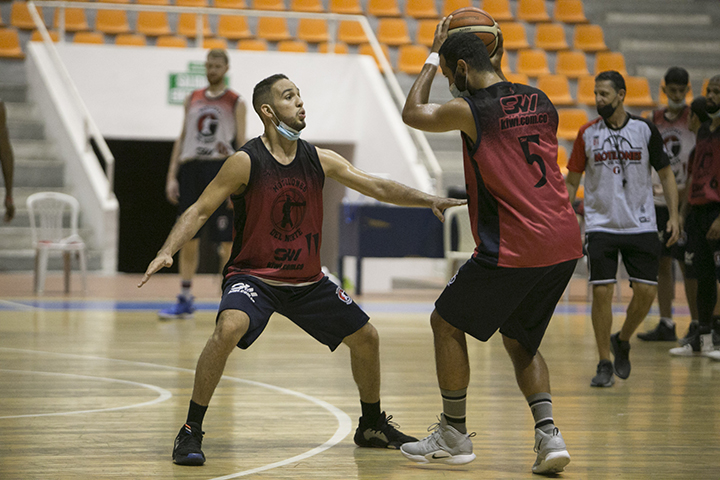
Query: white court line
{"x": 20, "y": 306}
{"x": 163, "y": 394}
{"x": 344, "y": 422}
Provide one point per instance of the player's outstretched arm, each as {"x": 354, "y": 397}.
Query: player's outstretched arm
{"x": 337, "y": 168}
{"x": 232, "y": 178}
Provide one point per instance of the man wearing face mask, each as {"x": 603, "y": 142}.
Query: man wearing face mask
{"x": 527, "y": 239}
{"x": 275, "y": 182}
{"x": 616, "y": 151}
{"x": 673, "y": 124}
{"x": 703, "y": 226}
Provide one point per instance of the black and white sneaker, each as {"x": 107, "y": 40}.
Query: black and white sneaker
{"x": 188, "y": 446}
{"x": 621, "y": 351}
{"x": 690, "y": 335}
{"x": 383, "y": 434}
{"x": 661, "y": 333}
{"x": 605, "y": 376}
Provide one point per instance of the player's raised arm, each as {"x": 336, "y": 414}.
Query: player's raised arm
{"x": 232, "y": 177}
{"x": 337, "y": 168}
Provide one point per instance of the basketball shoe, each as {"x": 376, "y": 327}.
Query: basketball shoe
{"x": 621, "y": 351}
{"x": 604, "y": 375}
{"x": 661, "y": 333}
{"x": 552, "y": 454}
{"x": 188, "y": 446}
{"x": 381, "y": 435}
{"x": 692, "y": 330}
{"x": 698, "y": 344}
{"x": 184, "y": 308}
{"x": 444, "y": 445}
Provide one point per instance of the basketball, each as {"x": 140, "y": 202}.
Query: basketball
{"x": 477, "y": 21}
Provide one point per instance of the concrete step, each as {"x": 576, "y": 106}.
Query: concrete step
{"x": 21, "y": 112}
{"x": 27, "y": 130}
{"x": 24, "y": 260}
{"x": 32, "y": 149}
{"x": 10, "y": 92}
{"x": 39, "y": 173}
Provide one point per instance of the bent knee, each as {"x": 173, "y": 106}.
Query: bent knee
{"x": 366, "y": 335}
{"x": 231, "y": 326}
{"x": 440, "y": 326}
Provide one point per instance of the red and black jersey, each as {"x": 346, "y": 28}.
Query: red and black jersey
{"x": 705, "y": 167}
{"x": 519, "y": 208}
{"x": 277, "y": 229}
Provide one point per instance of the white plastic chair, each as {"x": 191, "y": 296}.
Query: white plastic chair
{"x": 465, "y": 241}
{"x": 46, "y": 210}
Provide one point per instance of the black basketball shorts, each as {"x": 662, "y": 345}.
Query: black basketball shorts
{"x": 480, "y": 299}
{"x": 193, "y": 177}
{"x": 322, "y": 309}
{"x": 640, "y": 254}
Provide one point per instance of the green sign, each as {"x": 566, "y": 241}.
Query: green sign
{"x": 181, "y": 84}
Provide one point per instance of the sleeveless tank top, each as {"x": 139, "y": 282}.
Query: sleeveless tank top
{"x": 210, "y": 128}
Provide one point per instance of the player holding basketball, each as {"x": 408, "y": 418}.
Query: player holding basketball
{"x": 214, "y": 124}
{"x": 276, "y": 185}
{"x": 526, "y": 234}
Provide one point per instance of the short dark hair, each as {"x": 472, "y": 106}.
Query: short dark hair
{"x": 677, "y": 76}
{"x": 468, "y": 47}
{"x": 261, "y": 92}
{"x": 219, "y": 53}
{"x": 617, "y": 80}
{"x": 698, "y": 107}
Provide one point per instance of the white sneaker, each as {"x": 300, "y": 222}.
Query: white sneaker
{"x": 715, "y": 355}
{"x": 699, "y": 345}
{"x": 552, "y": 454}
{"x": 444, "y": 445}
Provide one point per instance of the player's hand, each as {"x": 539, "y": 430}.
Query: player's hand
{"x": 172, "y": 191}
{"x": 163, "y": 260}
{"x": 441, "y": 33}
{"x": 441, "y": 204}
{"x": 9, "y": 208}
{"x": 496, "y": 59}
{"x": 673, "y": 231}
{"x": 714, "y": 231}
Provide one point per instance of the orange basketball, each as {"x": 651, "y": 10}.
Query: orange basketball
{"x": 477, "y": 21}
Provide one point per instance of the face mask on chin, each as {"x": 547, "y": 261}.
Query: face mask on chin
{"x": 286, "y": 130}
{"x": 713, "y": 111}
{"x": 606, "y": 111}
{"x": 457, "y": 93}
{"x": 676, "y": 105}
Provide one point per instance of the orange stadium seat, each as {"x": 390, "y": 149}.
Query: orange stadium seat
{"x": 233, "y": 27}
{"x": 36, "y": 37}
{"x": 569, "y": 11}
{"x": 517, "y": 78}
{"x": 499, "y": 10}
{"x": 366, "y": 49}
{"x": 171, "y": 41}
{"x": 562, "y": 160}
{"x": 114, "y": 1}
{"x": 532, "y": 11}
{"x": 10, "y": 44}
{"x": 238, "y": 4}
{"x": 452, "y": 5}
{"x": 131, "y": 39}
{"x": 422, "y": 9}
{"x": 88, "y": 37}
{"x": 312, "y": 30}
{"x": 294, "y": 46}
{"x": 557, "y": 88}
{"x": 393, "y": 32}
{"x": 312, "y": 6}
{"x": 75, "y": 20}
{"x": 273, "y": 29}
{"x": 425, "y": 32}
{"x": 20, "y": 16}
{"x": 610, "y": 61}
{"x": 703, "y": 89}
{"x": 586, "y": 90}
{"x": 350, "y": 7}
{"x": 589, "y": 38}
{"x": 340, "y": 48}
{"x": 268, "y": 5}
{"x": 411, "y": 58}
{"x": 638, "y": 92}
{"x": 532, "y": 62}
{"x": 514, "y": 36}
{"x": 253, "y": 44}
{"x": 153, "y": 24}
{"x": 187, "y": 25}
{"x": 211, "y": 43}
{"x": 191, "y": 3}
{"x": 571, "y": 63}
{"x": 550, "y": 37}
{"x": 112, "y": 22}
{"x": 153, "y": 2}
{"x": 351, "y": 32}
{"x": 662, "y": 98}
{"x": 569, "y": 122}
{"x": 383, "y": 8}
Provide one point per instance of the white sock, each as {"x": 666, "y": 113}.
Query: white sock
{"x": 667, "y": 321}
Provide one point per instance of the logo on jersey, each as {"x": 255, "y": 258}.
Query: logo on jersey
{"x": 287, "y": 213}
{"x": 207, "y": 125}
{"x": 616, "y": 151}
{"x": 519, "y": 111}
{"x": 343, "y": 296}
{"x": 672, "y": 145}
{"x": 245, "y": 289}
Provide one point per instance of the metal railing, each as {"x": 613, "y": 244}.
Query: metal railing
{"x": 428, "y": 156}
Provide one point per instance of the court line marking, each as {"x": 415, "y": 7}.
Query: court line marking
{"x": 162, "y": 394}
{"x": 18, "y": 305}
{"x": 344, "y": 421}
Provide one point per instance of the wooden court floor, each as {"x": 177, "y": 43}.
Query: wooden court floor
{"x": 94, "y": 386}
